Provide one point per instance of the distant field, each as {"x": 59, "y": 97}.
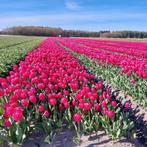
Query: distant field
{"x": 13, "y": 49}
{"x": 117, "y": 39}
{"x": 125, "y": 39}
{"x": 7, "y": 41}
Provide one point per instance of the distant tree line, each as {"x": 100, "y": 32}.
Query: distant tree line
{"x": 124, "y": 34}
{"x": 49, "y": 31}
{"x": 33, "y": 31}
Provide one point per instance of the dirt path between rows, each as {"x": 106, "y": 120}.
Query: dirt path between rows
{"x": 65, "y": 139}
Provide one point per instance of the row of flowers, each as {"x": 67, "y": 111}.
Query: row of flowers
{"x": 136, "y": 49}
{"x": 128, "y": 60}
{"x": 126, "y": 81}
{"x": 51, "y": 88}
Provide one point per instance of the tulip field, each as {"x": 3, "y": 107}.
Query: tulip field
{"x": 122, "y": 64}
{"x": 48, "y": 83}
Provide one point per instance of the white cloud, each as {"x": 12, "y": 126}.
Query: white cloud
{"x": 72, "y": 5}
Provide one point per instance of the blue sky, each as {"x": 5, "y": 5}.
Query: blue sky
{"x": 92, "y": 15}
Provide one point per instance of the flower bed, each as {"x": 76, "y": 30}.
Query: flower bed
{"x": 51, "y": 88}
{"x": 126, "y": 60}
{"x": 117, "y": 69}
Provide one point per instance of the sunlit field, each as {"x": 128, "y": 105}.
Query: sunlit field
{"x": 82, "y": 85}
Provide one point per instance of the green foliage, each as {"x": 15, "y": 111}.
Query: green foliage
{"x": 10, "y": 55}
{"x": 9, "y": 41}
